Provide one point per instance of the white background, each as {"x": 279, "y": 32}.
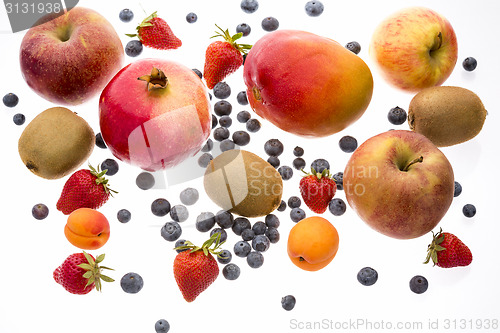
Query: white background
{"x": 30, "y": 300}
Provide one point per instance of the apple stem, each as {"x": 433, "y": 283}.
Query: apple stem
{"x": 417, "y": 160}
{"x": 438, "y": 41}
{"x": 157, "y": 79}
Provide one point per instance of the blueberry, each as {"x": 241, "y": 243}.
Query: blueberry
{"x": 240, "y": 224}
{"x": 458, "y": 189}
{"x": 367, "y": 276}
{"x": 241, "y": 138}
{"x": 248, "y": 234}
{"x": 10, "y": 100}
{"x": 314, "y": 8}
{"x": 198, "y": 72}
{"x": 299, "y": 163}
{"x": 297, "y": 214}
{"x": 286, "y": 172}
{"x": 191, "y": 17}
{"x": 231, "y": 272}
{"x": 171, "y": 231}
{"x": 204, "y": 160}
{"x": 255, "y": 259}
{"x": 224, "y": 257}
{"x": 111, "y": 165}
{"x": 208, "y": 146}
{"x": 337, "y": 206}
{"x": 123, "y": 215}
{"x": 224, "y": 219}
{"x": 221, "y": 133}
{"x": 225, "y": 121}
{"x": 354, "y": 47}
{"x": 320, "y": 164}
{"x": 179, "y": 213}
{"x": 131, "y": 283}
{"x": 99, "y": 142}
{"x": 294, "y": 202}
{"x": 215, "y": 122}
{"x": 243, "y": 116}
{"x": 179, "y": 243}
{"x": 223, "y": 108}
{"x": 222, "y": 90}
{"x": 274, "y": 161}
{"x": 133, "y": 48}
{"x": 244, "y": 58}
{"x": 261, "y": 243}
{"x": 249, "y": 6}
{"x": 126, "y": 15}
{"x": 282, "y": 206}
{"x": 469, "y": 210}
{"x": 160, "y": 207}
{"x": 288, "y": 302}
{"x": 40, "y": 211}
{"x": 242, "y": 249}
{"x": 205, "y": 221}
{"x": 469, "y": 64}
{"x": 348, "y": 144}
{"x": 253, "y": 125}
{"x": 273, "y": 147}
{"x": 162, "y": 326}
{"x": 273, "y": 235}
{"x": 145, "y": 180}
{"x": 397, "y": 116}
{"x": 242, "y": 99}
{"x": 244, "y": 29}
{"x": 189, "y": 196}
{"x": 298, "y": 151}
{"x": 270, "y": 23}
{"x": 222, "y": 232}
{"x": 419, "y": 284}
{"x": 272, "y": 221}
{"x": 339, "y": 180}
{"x": 19, "y": 119}
{"x": 259, "y": 228}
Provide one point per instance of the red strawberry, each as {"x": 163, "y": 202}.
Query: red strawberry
{"x": 317, "y": 190}
{"x": 80, "y": 273}
{"x": 154, "y": 32}
{"x": 446, "y": 251}
{"x": 223, "y": 57}
{"x": 196, "y": 270}
{"x": 84, "y": 189}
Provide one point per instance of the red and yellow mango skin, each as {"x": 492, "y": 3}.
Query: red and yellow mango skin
{"x": 400, "y": 204}
{"x": 306, "y": 84}
{"x": 71, "y": 71}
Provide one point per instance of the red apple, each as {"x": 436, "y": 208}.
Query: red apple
{"x": 70, "y": 58}
{"x": 399, "y": 183}
{"x": 156, "y": 121}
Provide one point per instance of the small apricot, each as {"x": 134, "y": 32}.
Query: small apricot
{"x": 87, "y": 229}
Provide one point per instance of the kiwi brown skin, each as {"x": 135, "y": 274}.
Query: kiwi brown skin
{"x": 243, "y": 183}
{"x": 446, "y": 115}
{"x": 55, "y": 143}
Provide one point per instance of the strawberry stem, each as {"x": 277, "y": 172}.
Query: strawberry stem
{"x": 206, "y": 247}
{"x": 243, "y": 48}
{"x": 435, "y": 247}
{"x": 93, "y": 271}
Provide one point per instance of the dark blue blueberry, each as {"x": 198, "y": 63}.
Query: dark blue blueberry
{"x": 160, "y": 207}
{"x": 189, "y": 196}
{"x": 299, "y": 163}
{"x": 240, "y": 224}
{"x": 19, "y": 119}
{"x": 469, "y": 64}
{"x": 221, "y": 133}
{"x": 288, "y": 302}
{"x": 231, "y": 272}
{"x": 179, "y": 243}
{"x": 40, "y": 211}
{"x": 133, "y": 48}
{"x": 215, "y": 122}
{"x": 253, "y": 125}
{"x": 123, "y": 215}
{"x": 242, "y": 99}
{"x": 259, "y": 228}
{"x": 294, "y": 202}
{"x": 205, "y": 221}
{"x": 224, "y": 219}
{"x": 348, "y": 144}
{"x": 339, "y": 180}
{"x": 99, "y": 142}
{"x": 458, "y": 189}
{"x": 286, "y": 172}
{"x": 171, "y": 231}
{"x": 297, "y": 214}
{"x": 242, "y": 248}
{"x": 223, "y": 108}
{"x": 272, "y": 221}
{"x": 145, "y": 180}
{"x": 337, "y": 206}
{"x": 261, "y": 243}
{"x": 179, "y": 213}
{"x": 111, "y": 165}
{"x": 225, "y": 121}
{"x": 222, "y": 232}
{"x": 208, "y": 146}
{"x": 226, "y": 145}
{"x": 354, "y": 47}
{"x": 131, "y": 283}
{"x": 419, "y": 284}
{"x": 270, "y": 23}
{"x": 198, "y": 72}
{"x": 191, "y": 17}
{"x": 273, "y": 147}
{"x": 255, "y": 259}
{"x": 282, "y": 206}
{"x": 367, "y": 276}
{"x": 222, "y": 90}
{"x": 397, "y": 116}
{"x": 274, "y": 161}
{"x": 314, "y": 8}
{"x": 204, "y": 160}
{"x": 249, "y": 6}
{"x": 248, "y": 234}
{"x": 244, "y": 29}
{"x": 162, "y": 326}
{"x": 320, "y": 164}
{"x": 126, "y": 15}
{"x": 241, "y": 138}
{"x": 10, "y": 100}
{"x": 273, "y": 235}
{"x": 243, "y": 116}
{"x": 298, "y": 151}
{"x": 469, "y": 210}
{"x": 224, "y": 257}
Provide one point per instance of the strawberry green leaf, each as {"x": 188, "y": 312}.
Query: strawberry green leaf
{"x": 100, "y": 258}
{"x": 107, "y": 278}
{"x": 89, "y": 258}
{"x": 86, "y": 267}
{"x": 87, "y": 274}
{"x": 90, "y": 281}
{"x": 439, "y": 248}
{"x": 104, "y": 267}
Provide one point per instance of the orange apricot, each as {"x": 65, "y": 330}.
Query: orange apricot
{"x": 87, "y": 229}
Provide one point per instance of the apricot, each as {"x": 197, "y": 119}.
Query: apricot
{"x": 87, "y": 229}
{"x": 312, "y": 243}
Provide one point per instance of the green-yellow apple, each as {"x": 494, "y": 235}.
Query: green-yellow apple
{"x": 414, "y": 48}
{"x": 399, "y": 183}
{"x": 70, "y": 58}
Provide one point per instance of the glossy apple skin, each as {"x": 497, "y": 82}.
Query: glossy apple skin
{"x": 158, "y": 128}
{"x": 399, "y": 204}
{"x": 73, "y": 71}
{"x": 400, "y": 47}
{"x": 306, "y": 84}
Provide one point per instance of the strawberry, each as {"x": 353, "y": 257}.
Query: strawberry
{"x": 446, "y": 251}
{"x": 196, "y": 270}
{"x": 223, "y": 57}
{"x": 317, "y": 190}
{"x": 154, "y": 32}
{"x": 80, "y": 273}
{"x": 84, "y": 188}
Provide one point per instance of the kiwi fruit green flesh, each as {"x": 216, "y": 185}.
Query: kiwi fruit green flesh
{"x": 446, "y": 115}
{"x": 243, "y": 183}
{"x": 55, "y": 143}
